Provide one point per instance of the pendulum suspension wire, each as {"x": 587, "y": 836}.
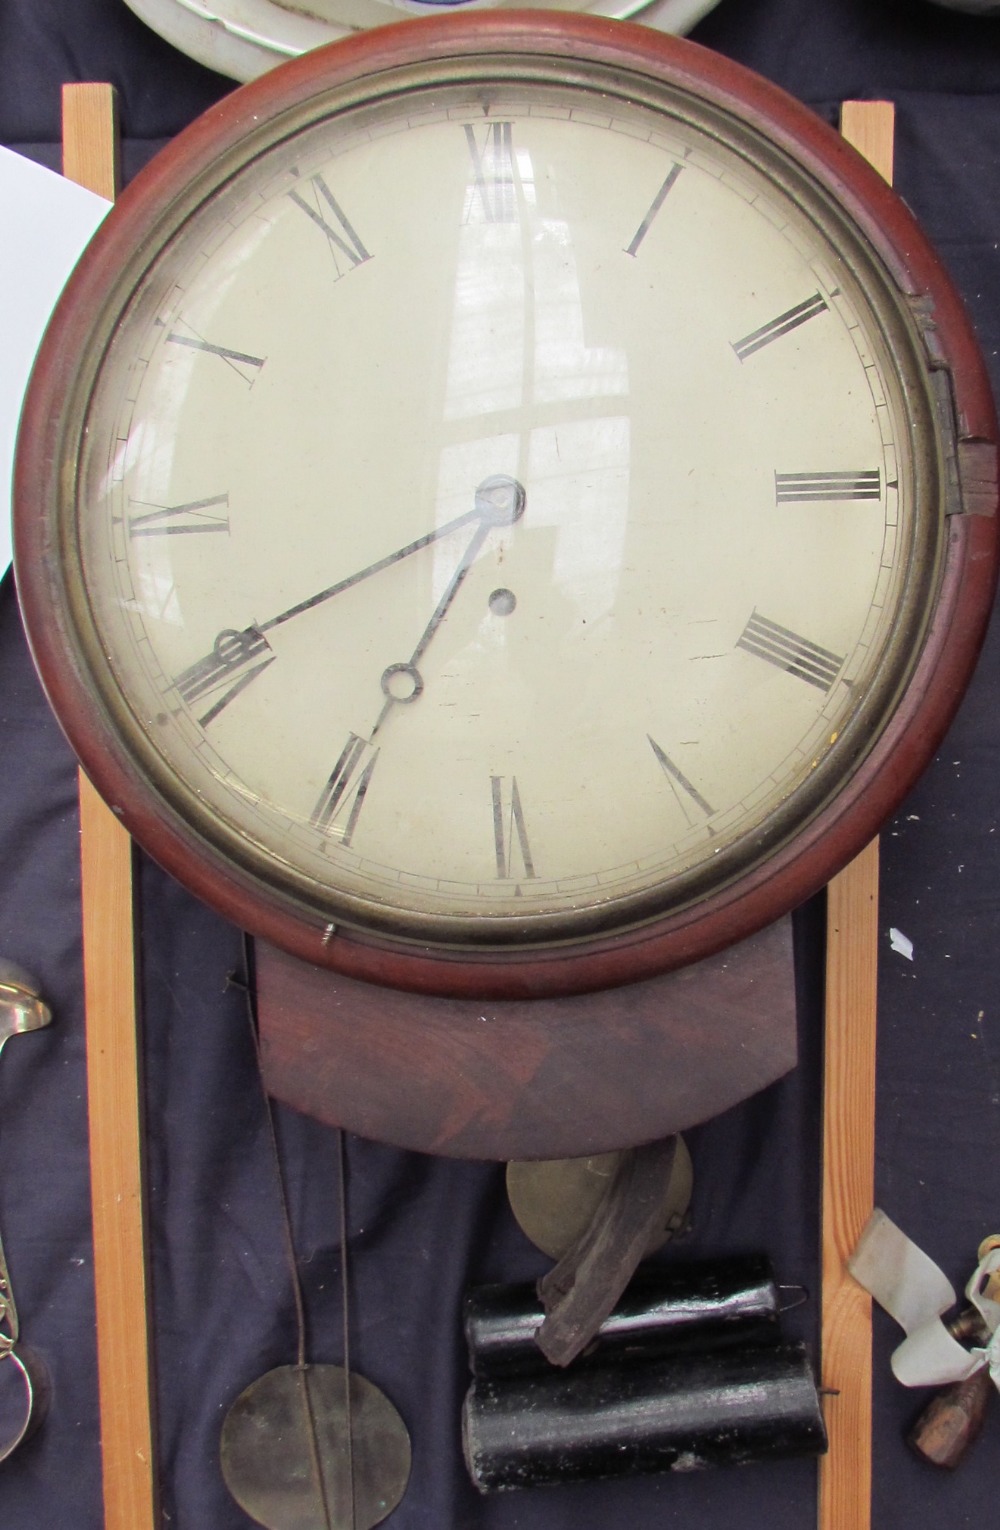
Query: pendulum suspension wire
{"x": 345, "y": 1316}
{"x": 287, "y": 1235}
{"x": 293, "y": 1271}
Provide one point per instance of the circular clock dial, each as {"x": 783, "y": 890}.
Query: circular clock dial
{"x": 507, "y": 509}
{"x": 498, "y": 508}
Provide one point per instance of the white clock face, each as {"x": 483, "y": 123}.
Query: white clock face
{"x": 500, "y": 506}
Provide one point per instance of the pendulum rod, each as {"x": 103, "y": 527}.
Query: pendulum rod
{"x": 312, "y": 1429}
{"x": 345, "y": 1311}
{"x": 312, "y": 1446}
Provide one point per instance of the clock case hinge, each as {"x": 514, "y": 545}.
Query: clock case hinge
{"x": 970, "y": 462}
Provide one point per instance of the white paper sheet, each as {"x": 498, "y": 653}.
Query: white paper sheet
{"x": 45, "y": 222}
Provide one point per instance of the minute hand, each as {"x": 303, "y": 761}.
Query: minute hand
{"x": 231, "y": 663}
{"x": 366, "y": 573}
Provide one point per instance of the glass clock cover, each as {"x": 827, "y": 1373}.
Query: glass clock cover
{"x": 507, "y": 502}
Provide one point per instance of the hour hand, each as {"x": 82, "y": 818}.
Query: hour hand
{"x": 500, "y": 501}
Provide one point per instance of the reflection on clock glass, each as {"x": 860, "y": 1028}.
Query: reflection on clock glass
{"x": 507, "y": 503}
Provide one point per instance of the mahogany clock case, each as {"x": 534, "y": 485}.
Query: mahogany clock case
{"x": 898, "y": 712}
{"x": 420, "y": 1227}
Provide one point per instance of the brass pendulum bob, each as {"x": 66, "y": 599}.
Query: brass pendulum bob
{"x": 314, "y": 1447}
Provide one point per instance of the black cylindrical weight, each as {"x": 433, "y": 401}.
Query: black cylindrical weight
{"x": 692, "y": 1411}
{"x": 665, "y": 1310}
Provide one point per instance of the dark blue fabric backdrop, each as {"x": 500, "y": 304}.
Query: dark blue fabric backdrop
{"x": 421, "y": 1228}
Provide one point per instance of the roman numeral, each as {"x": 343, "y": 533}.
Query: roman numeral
{"x": 787, "y": 650}
{"x": 327, "y": 214}
{"x": 508, "y": 826}
{"x": 235, "y": 660}
{"x": 190, "y": 519}
{"x": 782, "y": 325}
{"x": 654, "y": 207}
{"x": 688, "y": 793}
{"x": 493, "y": 189}
{"x": 242, "y": 363}
{"x": 806, "y": 488}
{"x": 345, "y": 791}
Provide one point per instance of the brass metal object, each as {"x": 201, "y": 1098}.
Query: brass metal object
{"x": 21, "y": 1010}
{"x": 21, "y": 1006}
{"x": 313, "y": 1447}
{"x": 991, "y": 1286}
{"x": 24, "y": 1383}
{"x": 554, "y": 1200}
{"x": 24, "y": 1397}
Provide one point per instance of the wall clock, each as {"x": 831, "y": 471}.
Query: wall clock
{"x": 505, "y": 509}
